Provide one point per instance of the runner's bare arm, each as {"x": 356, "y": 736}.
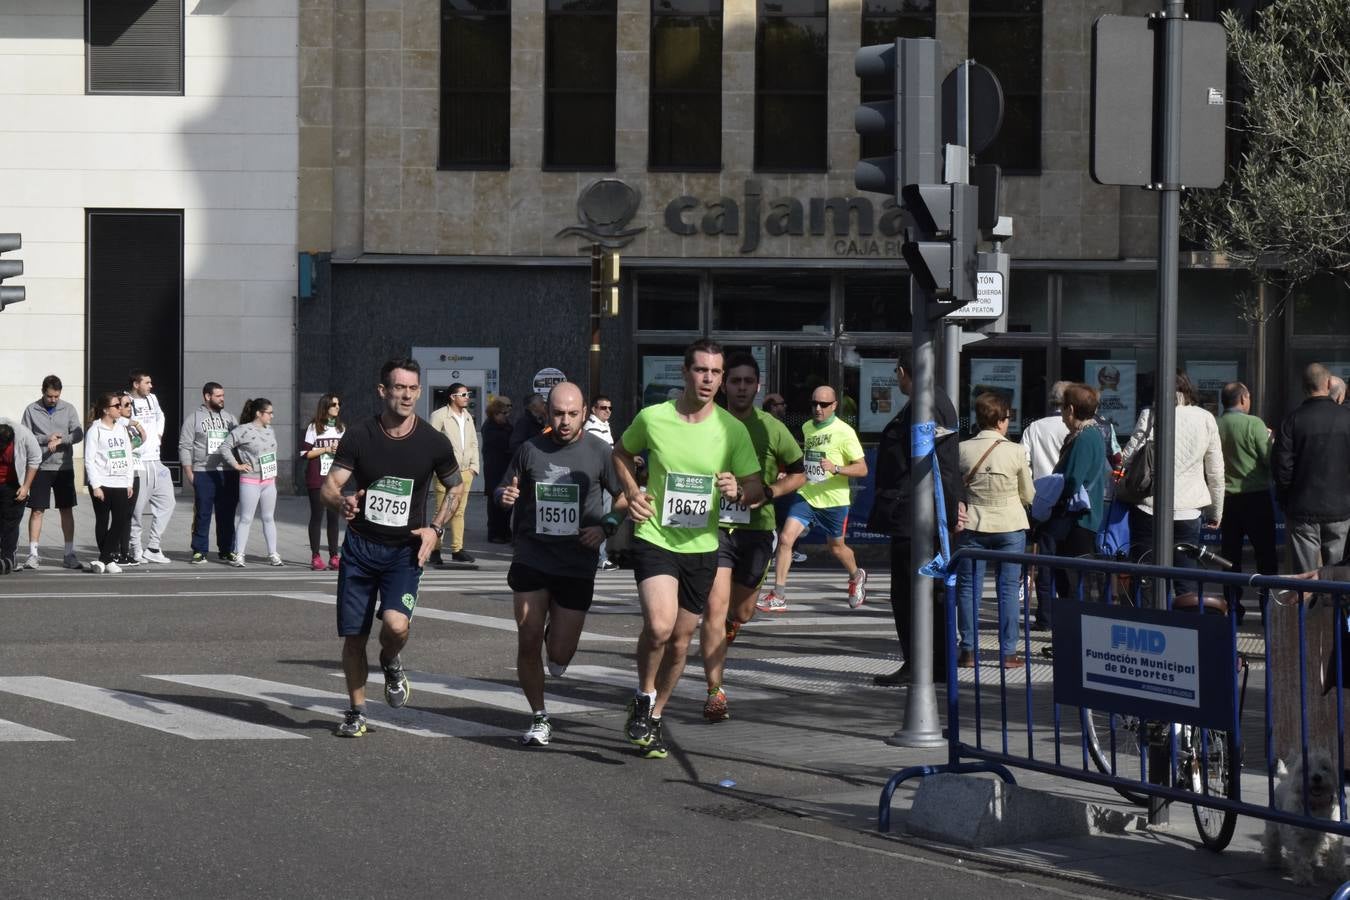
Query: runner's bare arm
{"x": 625, "y": 465}
{"x": 331, "y": 493}
{"x": 748, "y": 490}
{"x": 785, "y": 485}
{"x": 856, "y": 469}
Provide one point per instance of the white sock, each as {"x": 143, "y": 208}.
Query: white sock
{"x": 32, "y": 548}
{"x": 651, "y": 696}
{"x": 540, "y": 712}
{"x": 70, "y": 546}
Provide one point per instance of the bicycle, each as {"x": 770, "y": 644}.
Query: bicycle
{"x": 1208, "y": 760}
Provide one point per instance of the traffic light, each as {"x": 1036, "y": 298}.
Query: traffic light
{"x": 10, "y": 268}
{"x": 909, "y": 123}
{"x": 944, "y": 256}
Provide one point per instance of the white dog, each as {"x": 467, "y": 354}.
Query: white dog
{"x": 1305, "y": 848}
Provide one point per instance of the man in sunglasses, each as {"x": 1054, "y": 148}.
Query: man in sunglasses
{"x": 455, "y": 421}
{"x": 833, "y": 456}
{"x": 597, "y": 423}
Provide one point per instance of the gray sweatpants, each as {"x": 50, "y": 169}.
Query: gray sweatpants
{"x": 156, "y": 492}
{"x": 260, "y": 497}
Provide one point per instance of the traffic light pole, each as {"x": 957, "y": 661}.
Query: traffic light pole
{"x": 921, "y": 727}
{"x": 952, "y": 333}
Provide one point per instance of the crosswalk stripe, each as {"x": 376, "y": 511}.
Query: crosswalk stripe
{"x": 426, "y": 612}
{"x": 139, "y": 709}
{"x": 412, "y": 721}
{"x": 13, "y": 731}
{"x": 691, "y": 686}
{"x": 488, "y": 693}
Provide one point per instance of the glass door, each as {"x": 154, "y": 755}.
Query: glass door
{"x": 801, "y": 368}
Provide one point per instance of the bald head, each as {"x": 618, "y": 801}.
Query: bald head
{"x": 1316, "y": 380}
{"x": 824, "y": 402}
{"x": 1336, "y": 388}
{"x": 566, "y": 411}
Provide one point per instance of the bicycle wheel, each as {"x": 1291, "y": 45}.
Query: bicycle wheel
{"x": 1103, "y": 731}
{"x": 1218, "y": 779}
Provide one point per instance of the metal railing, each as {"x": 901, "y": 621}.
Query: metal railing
{"x": 1030, "y": 731}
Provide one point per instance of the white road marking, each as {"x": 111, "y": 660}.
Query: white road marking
{"x": 413, "y": 721}
{"x": 488, "y": 693}
{"x": 138, "y": 709}
{"x": 13, "y": 731}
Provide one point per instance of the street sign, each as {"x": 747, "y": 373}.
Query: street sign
{"x": 989, "y": 299}
{"x": 1126, "y": 131}
{"x": 545, "y": 379}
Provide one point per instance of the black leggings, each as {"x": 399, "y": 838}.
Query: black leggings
{"x": 316, "y": 514}
{"x": 112, "y": 522}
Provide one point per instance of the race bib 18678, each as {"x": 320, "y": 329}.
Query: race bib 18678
{"x": 687, "y": 500}
{"x": 389, "y": 501}
{"x": 557, "y": 509}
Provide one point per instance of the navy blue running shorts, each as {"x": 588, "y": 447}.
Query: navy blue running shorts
{"x": 371, "y": 572}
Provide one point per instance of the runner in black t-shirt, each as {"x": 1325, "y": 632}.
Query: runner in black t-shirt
{"x": 555, "y": 484}
{"x": 391, "y": 457}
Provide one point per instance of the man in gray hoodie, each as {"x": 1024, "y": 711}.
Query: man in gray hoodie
{"x": 19, "y": 459}
{"x": 56, "y": 425}
{"x": 215, "y": 483}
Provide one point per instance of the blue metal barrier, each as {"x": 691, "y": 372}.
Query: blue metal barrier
{"x": 1045, "y": 741}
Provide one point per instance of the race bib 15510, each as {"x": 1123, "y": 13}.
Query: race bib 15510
{"x": 557, "y": 509}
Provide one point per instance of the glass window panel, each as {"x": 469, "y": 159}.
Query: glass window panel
{"x": 668, "y": 303}
{"x": 581, "y": 52}
{"x": 871, "y": 392}
{"x": 686, "y": 131}
{"x": 471, "y": 6}
{"x": 778, "y": 302}
{"x": 687, "y": 7}
{"x": 1018, "y": 145}
{"x": 1005, "y": 35}
{"x": 660, "y": 376}
{"x": 480, "y": 132}
{"x": 791, "y": 132}
{"x": 1208, "y": 302}
{"x": 687, "y": 53}
{"x": 1028, "y": 301}
{"x": 873, "y": 303}
{"x": 1016, "y": 373}
{"x": 581, "y": 6}
{"x": 475, "y": 83}
{"x": 1124, "y": 375}
{"x": 476, "y": 52}
{"x": 792, "y": 55}
{"x": 1109, "y": 302}
{"x": 580, "y": 130}
{"x": 1321, "y": 307}
{"x": 793, "y": 8}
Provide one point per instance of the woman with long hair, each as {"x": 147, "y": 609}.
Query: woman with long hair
{"x": 251, "y": 448}
{"x": 1082, "y": 462}
{"x": 108, "y": 470}
{"x": 322, "y": 436}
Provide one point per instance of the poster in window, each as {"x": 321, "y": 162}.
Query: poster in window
{"x": 1002, "y": 377}
{"x": 880, "y": 393}
{"x": 1209, "y": 377}
{"x": 662, "y": 378}
{"x": 1115, "y": 381}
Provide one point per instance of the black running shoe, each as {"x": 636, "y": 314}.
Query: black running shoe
{"x": 639, "y": 727}
{"x": 397, "y": 690}
{"x": 656, "y": 745}
{"x": 353, "y": 724}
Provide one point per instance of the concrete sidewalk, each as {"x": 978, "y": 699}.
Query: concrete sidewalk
{"x": 1158, "y": 862}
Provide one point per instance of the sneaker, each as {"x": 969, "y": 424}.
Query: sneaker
{"x": 733, "y": 629}
{"x": 540, "y": 733}
{"x": 5, "y": 566}
{"x": 274, "y": 559}
{"x": 32, "y": 562}
{"x": 798, "y": 556}
{"x": 128, "y": 562}
{"x": 112, "y": 568}
{"x": 353, "y": 724}
{"x": 223, "y": 556}
{"x": 715, "y": 710}
{"x": 435, "y": 559}
{"x": 857, "y": 589}
{"x": 656, "y": 745}
{"x": 966, "y": 660}
{"x": 198, "y": 559}
{"x": 316, "y": 564}
{"x": 70, "y": 562}
{"x": 156, "y": 556}
{"x": 397, "y": 690}
{"x": 555, "y": 670}
{"x": 96, "y": 566}
{"x": 463, "y": 556}
{"x": 335, "y": 561}
{"x": 639, "y": 725}
{"x": 236, "y": 560}
{"x": 607, "y": 566}
{"x": 771, "y": 602}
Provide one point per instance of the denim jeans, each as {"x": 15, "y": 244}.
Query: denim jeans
{"x": 970, "y": 586}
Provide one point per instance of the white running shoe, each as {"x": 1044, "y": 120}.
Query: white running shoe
{"x": 798, "y": 556}
{"x": 112, "y": 568}
{"x": 95, "y": 566}
{"x": 540, "y": 733}
{"x": 275, "y": 560}
{"x": 555, "y": 670}
{"x": 857, "y": 590}
{"x": 237, "y": 560}
{"x": 33, "y": 561}
{"x": 156, "y": 556}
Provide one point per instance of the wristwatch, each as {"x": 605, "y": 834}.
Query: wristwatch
{"x": 768, "y": 492}
{"x": 440, "y": 532}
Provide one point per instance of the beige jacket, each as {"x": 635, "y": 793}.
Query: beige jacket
{"x": 997, "y": 494}
{"x": 466, "y": 449}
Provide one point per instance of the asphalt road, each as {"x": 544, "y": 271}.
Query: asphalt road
{"x": 169, "y": 733}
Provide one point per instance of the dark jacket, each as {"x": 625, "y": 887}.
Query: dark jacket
{"x": 495, "y": 446}
{"x": 891, "y": 508}
{"x": 1312, "y": 480}
{"x": 526, "y": 427}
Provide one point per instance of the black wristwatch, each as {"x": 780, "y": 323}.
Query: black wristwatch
{"x": 768, "y": 492}
{"x": 440, "y": 532}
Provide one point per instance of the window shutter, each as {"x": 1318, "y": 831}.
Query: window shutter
{"x": 135, "y": 46}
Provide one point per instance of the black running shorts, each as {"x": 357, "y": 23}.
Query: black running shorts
{"x": 746, "y": 553}
{"x": 694, "y": 572}
{"x": 569, "y": 593}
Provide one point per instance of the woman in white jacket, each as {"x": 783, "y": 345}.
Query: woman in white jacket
{"x": 107, "y": 468}
{"x": 251, "y": 448}
{"x": 1198, "y": 476}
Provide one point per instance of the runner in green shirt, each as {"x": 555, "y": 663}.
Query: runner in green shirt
{"x": 833, "y": 456}
{"x": 745, "y": 538}
{"x": 696, "y": 452}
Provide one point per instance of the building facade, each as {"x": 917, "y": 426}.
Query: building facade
{"x": 150, "y": 161}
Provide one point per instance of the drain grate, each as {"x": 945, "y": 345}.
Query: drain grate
{"x": 734, "y": 812}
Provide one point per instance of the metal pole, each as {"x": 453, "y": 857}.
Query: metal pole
{"x": 596, "y": 277}
{"x": 951, "y": 360}
{"x": 921, "y": 727}
{"x": 1164, "y": 409}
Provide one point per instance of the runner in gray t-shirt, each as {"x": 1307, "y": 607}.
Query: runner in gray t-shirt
{"x": 554, "y": 484}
